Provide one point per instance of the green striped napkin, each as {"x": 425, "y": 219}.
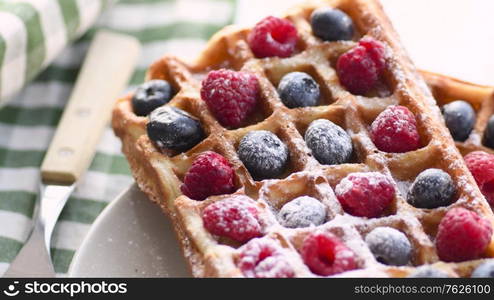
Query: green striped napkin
{"x": 33, "y": 32}
{"x": 27, "y": 123}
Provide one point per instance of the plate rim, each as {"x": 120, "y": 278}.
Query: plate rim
{"x": 76, "y": 259}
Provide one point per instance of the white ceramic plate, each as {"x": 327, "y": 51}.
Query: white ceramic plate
{"x": 131, "y": 238}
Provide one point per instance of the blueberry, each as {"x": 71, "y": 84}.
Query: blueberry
{"x": 331, "y": 24}
{"x": 174, "y": 129}
{"x": 302, "y": 212}
{"x": 428, "y": 272}
{"x": 489, "y": 133}
{"x": 330, "y": 144}
{"x": 484, "y": 270}
{"x": 151, "y": 95}
{"x": 298, "y": 89}
{"x": 432, "y": 188}
{"x": 389, "y": 246}
{"x": 263, "y": 154}
{"x": 460, "y": 119}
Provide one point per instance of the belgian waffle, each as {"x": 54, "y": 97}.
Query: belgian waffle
{"x": 160, "y": 173}
{"x": 447, "y": 89}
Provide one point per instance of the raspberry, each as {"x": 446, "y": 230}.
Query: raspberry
{"x": 235, "y": 218}
{"x": 263, "y": 258}
{"x": 365, "y": 194}
{"x": 395, "y": 130}
{"x": 230, "y": 96}
{"x": 360, "y": 68}
{"x": 210, "y": 174}
{"x": 376, "y": 52}
{"x": 462, "y": 235}
{"x": 481, "y": 165}
{"x": 273, "y": 37}
{"x": 326, "y": 255}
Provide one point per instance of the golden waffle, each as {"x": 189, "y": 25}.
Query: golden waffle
{"x": 447, "y": 89}
{"x": 159, "y": 173}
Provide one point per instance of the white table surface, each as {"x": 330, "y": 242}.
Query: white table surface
{"x": 453, "y": 37}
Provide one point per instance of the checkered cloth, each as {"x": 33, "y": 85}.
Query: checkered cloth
{"x": 33, "y": 32}
{"x": 27, "y": 123}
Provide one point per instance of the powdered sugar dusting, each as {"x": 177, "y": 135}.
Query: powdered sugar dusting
{"x": 389, "y": 245}
{"x": 373, "y": 178}
{"x": 403, "y": 187}
{"x": 264, "y": 258}
{"x": 399, "y": 122}
{"x": 395, "y": 130}
{"x": 235, "y": 217}
{"x": 302, "y": 212}
{"x": 344, "y": 186}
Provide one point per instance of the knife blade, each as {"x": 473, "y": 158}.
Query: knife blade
{"x": 104, "y": 74}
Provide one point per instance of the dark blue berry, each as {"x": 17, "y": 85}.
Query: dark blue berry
{"x": 174, "y": 129}
{"x": 489, "y": 133}
{"x": 298, "y": 89}
{"x": 432, "y": 188}
{"x": 460, "y": 119}
{"x": 151, "y": 95}
{"x": 484, "y": 270}
{"x": 428, "y": 272}
{"x": 331, "y": 24}
{"x": 389, "y": 246}
{"x": 330, "y": 144}
{"x": 302, "y": 212}
{"x": 263, "y": 154}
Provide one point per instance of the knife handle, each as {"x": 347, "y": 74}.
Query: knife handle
{"x": 107, "y": 68}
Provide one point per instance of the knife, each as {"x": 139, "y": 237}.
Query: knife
{"x": 105, "y": 72}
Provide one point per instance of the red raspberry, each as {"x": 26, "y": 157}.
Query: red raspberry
{"x": 263, "y": 258}
{"x": 273, "y": 37}
{"x": 462, "y": 235}
{"x": 326, "y": 255}
{"x": 235, "y": 218}
{"x": 395, "y": 130}
{"x": 365, "y": 194}
{"x": 481, "y": 165}
{"x": 360, "y": 68}
{"x": 210, "y": 174}
{"x": 376, "y": 51}
{"x": 230, "y": 96}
